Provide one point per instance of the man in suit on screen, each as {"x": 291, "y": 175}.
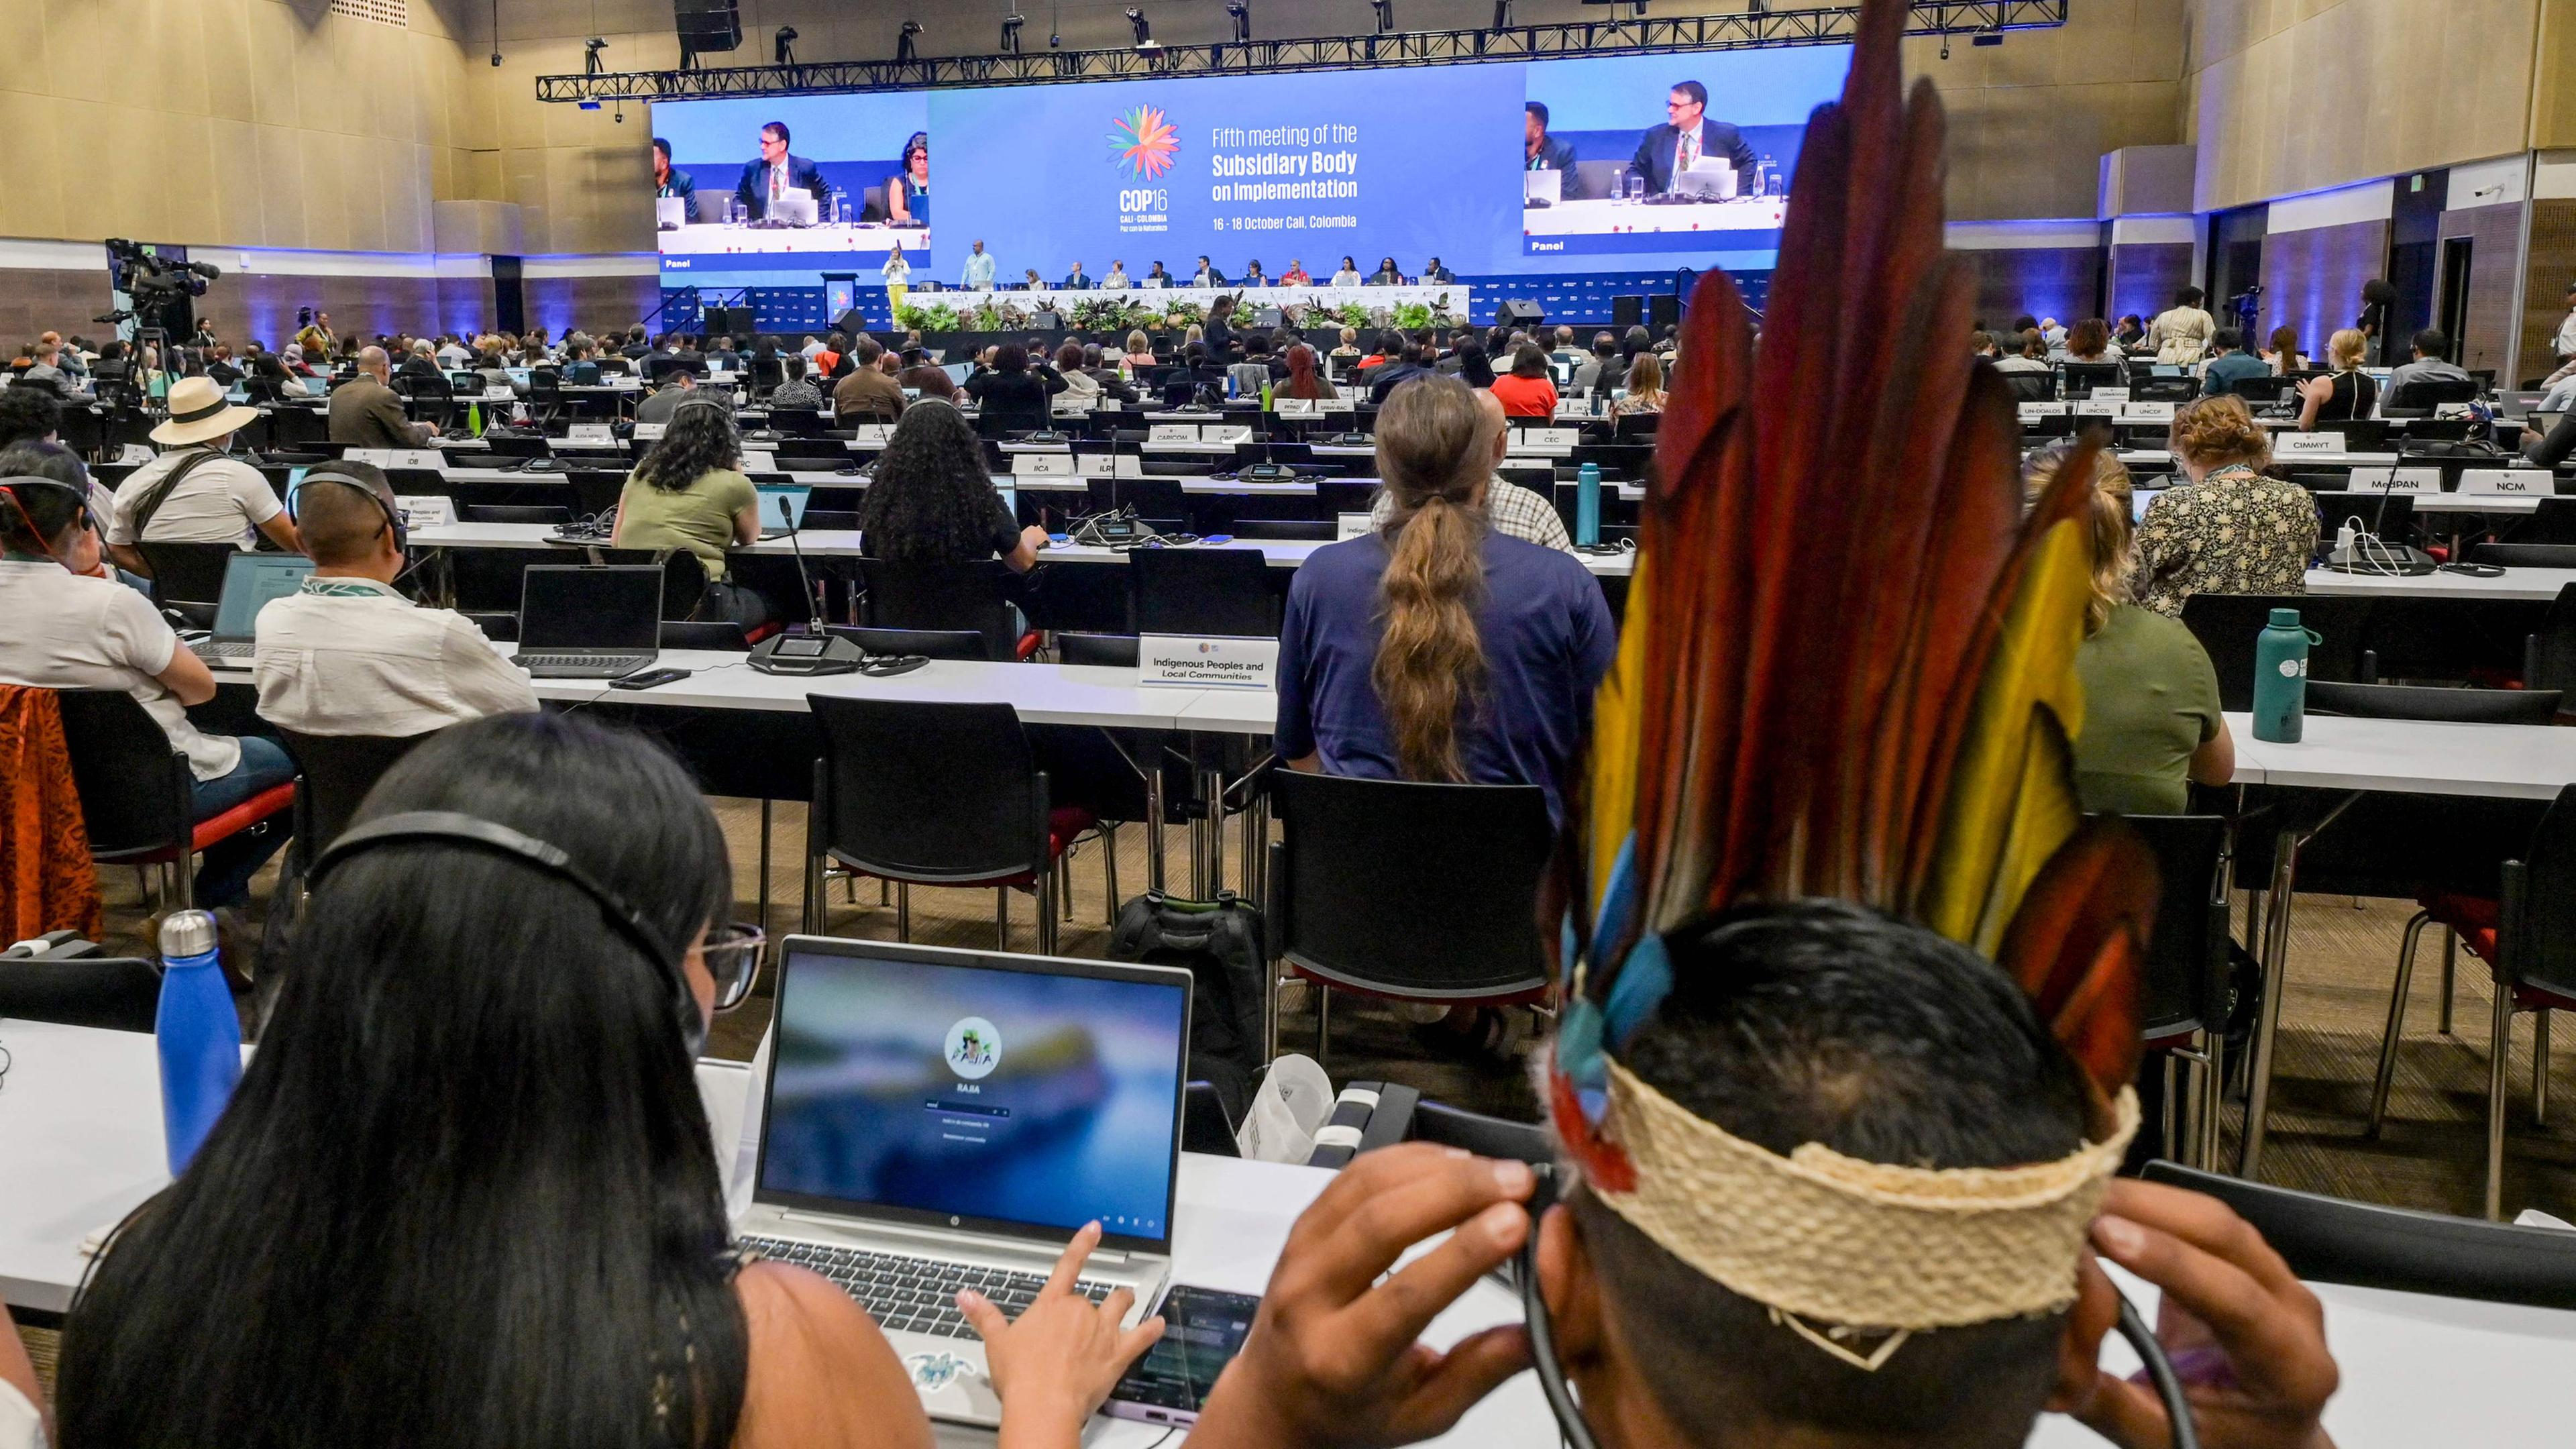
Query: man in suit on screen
{"x": 1688, "y": 136}
{"x": 774, "y": 173}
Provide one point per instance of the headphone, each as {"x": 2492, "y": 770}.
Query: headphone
{"x": 80, "y": 519}
{"x": 454, "y": 828}
{"x": 324, "y": 473}
{"x": 1577, "y": 1430}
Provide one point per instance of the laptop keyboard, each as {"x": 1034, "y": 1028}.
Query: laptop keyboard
{"x": 582, "y": 666}
{"x": 915, "y": 1294}
{"x": 243, "y": 649}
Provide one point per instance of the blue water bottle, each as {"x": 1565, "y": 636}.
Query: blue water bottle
{"x": 198, "y": 1034}
{"x": 1587, "y": 506}
{"x": 2281, "y": 678}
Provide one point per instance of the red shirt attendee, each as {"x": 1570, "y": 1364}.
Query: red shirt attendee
{"x": 1527, "y": 391}
{"x": 1296, "y": 275}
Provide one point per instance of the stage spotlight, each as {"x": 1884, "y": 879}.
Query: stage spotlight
{"x": 784, "y": 42}
{"x": 903, "y": 42}
{"x": 1241, "y": 10}
{"x": 1144, "y": 29}
{"x": 1011, "y": 33}
{"x": 590, "y": 55}
{"x": 1945, "y": 47}
{"x": 1385, "y": 15}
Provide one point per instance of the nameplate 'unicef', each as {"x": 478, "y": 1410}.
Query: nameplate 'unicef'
{"x": 1207, "y": 663}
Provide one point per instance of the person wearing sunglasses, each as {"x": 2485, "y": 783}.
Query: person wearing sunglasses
{"x": 465, "y": 1195}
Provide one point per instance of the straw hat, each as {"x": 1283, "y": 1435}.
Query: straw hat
{"x": 199, "y": 413}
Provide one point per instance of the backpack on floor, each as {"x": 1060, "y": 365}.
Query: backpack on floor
{"x": 1221, "y": 944}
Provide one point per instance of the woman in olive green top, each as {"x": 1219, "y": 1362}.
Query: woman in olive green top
{"x": 2151, "y": 718}
{"x": 690, "y": 492}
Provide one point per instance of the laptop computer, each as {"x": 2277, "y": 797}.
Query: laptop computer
{"x": 670, "y": 213}
{"x": 250, "y": 581}
{"x": 939, "y": 1119}
{"x": 793, "y": 208}
{"x": 589, "y": 622}
{"x": 1543, "y": 188}
{"x": 777, "y": 497}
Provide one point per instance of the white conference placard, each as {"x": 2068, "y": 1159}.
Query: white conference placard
{"x": 650, "y": 432}
{"x": 1207, "y": 662}
{"x": 591, "y": 433}
{"x": 1351, "y": 525}
{"x": 2507, "y": 482}
{"x": 1042, "y": 465}
{"x": 2306, "y": 445}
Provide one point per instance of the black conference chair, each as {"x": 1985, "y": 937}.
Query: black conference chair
{"x": 551, "y": 517}
{"x": 2332, "y": 1240}
{"x": 935, "y": 794}
{"x": 2227, "y": 625}
{"x": 2427, "y": 394}
{"x": 2078, "y": 379}
{"x": 1407, "y": 891}
{"x": 335, "y": 772}
{"x": 1286, "y": 530}
{"x": 964, "y": 644}
{"x": 188, "y": 577}
{"x": 2031, "y": 386}
{"x": 428, "y": 399}
{"x": 2552, "y": 522}
{"x": 2526, "y": 555}
{"x": 1221, "y": 591}
{"x": 2549, "y": 655}
{"x": 110, "y": 993}
{"x": 135, "y": 791}
{"x": 2165, "y": 389}
{"x": 721, "y": 634}
{"x": 2434, "y": 702}
{"x": 2527, "y": 937}
{"x": 974, "y": 596}
{"x": 1111, "y": 651}
{"x": 2187, "y": 989}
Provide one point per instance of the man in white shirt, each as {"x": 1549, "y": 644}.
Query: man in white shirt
{"x": 346, "y": 654}
{"x": 70, "y": 630}
{"x": 193, "y": 492}
{"x": 454, "y": 354}
{"x": 978, "y": 273}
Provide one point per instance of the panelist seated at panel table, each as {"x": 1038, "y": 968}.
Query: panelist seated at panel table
{"x": 1686, "y": 138}
{"x": 1438, "y": 648}
{"x": 528, "y": 985}
{"x": 347, "y": 654}
{"x": 774, "y": 173}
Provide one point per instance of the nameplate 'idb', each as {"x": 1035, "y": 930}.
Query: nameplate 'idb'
{"x": 1207, "y": 662}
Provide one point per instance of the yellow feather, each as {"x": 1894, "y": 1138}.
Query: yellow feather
{"x": 1617, "y": 725}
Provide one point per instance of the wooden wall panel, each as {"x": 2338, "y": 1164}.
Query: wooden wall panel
{"x": 2312, "y": 279}
{"x": 593, "y": 304}
{"x": 2054, "y": 282}
{"x": 2145, "y": 276}
{"x": 2553, "y": 266}
{"x": 2494, "y": 233}
{"x": 33, "y": 301}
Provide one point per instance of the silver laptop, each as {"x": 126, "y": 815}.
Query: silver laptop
{"x": 1546, "y": 187}
{"x": 795, "y": 207}
{"x": 250, "y": 581}
{"x": 1708, "y": 179}
{"x": 940, "y": 1119}
{"x": 670, "y": 213}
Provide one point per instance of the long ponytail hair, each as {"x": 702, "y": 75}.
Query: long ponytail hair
{"x": 1432, "y": 437}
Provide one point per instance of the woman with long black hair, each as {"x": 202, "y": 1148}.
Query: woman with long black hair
{"x": 932, "y": 500}
{"x": 464, "y": 1197}
{"x": 690, "y": 492}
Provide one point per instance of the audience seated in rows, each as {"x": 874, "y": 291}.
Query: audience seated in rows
{"x": 2229, "y": 361}
{"x": 366, "y": 413}
{"x": 1439, "y": 647}
{"x": 932, "y": 499}
{"x": 2152, "y": 725}
{"x": 2231, "y": 529}
{"x": 690, "y": 492}
{"x": 1014, "y": 397}
{"x": 1528, "y": 391}
{"x": 347, "y": 654}
{"x": 2345, "y": 393}
{"x": 868, "y": 391}
{"x": 195, "y": 492}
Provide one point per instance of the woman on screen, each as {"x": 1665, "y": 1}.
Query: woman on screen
{"x": 1349, "y": 275}
{"x": 898, "y": 282}
{"x": 568, "y": 1256}
{"x": 907, "y": 192}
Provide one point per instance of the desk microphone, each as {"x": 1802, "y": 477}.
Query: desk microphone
{"x": 813, "y": 602}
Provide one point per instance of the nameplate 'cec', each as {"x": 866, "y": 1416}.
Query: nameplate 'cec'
{"x": 1207, "y": 663}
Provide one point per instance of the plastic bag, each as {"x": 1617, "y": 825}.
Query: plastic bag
{"x": 1293, "y": 1102}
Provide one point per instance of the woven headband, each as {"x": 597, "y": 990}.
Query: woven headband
{"x": 1857, "y": 1245}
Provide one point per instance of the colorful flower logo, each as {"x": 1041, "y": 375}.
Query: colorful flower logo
{"x": 1144, "y": 142}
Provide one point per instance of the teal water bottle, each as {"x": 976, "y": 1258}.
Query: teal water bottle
{"x": 2281, "y": 678}
{"x": 1587, "y": 506}
{"x": 197, "y": 1034}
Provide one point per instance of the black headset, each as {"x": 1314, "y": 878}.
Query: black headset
{"x": 454, "y": 828}
{"x": 80, "y": 519}
{"x": 1577, "y": 1430}
{"x": 326, "y": 473}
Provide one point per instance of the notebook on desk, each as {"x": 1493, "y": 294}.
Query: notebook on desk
{"x": 250, "y": 581}
{"x": 939, "y": 1119}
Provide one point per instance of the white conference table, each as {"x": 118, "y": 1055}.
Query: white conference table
{"x": 2525, "y": 585}
{"x": 1313, "y": 294}
{"x": 80, "y": 1128}
{"x": 1603, "y": 216}
{"x": 723, "y": 238}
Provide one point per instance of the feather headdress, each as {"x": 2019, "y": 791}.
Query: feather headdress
{"x": 1847, "y": 668}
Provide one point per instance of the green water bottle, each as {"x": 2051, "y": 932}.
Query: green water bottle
{"x": 1265, "y": 397}
{"x": 2281, "y": 678}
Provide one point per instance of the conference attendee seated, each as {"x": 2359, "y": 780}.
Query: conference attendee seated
{"x": 1306, "y": 380}
{"x": 1438, "y": 647}
{"x": 1348, "y": 275}
{"x": 1116, "y": 280}
{"x": 1157, "y": 276}
{"x": 1527, "y": 392}
{"x": 1081, "y": 384}
{"x": 868, "y": 393}
{"x": 495, "y": 371}
{"x": 1514, "y": 511}
{"x": 542, "y": 1034}
{"x": 2152, "y": 726}
{"x": 69, "y": 628}
{"x": 2090, "y": 342}
{"x": 1565, "y": 352}
{"x": 195, "y": 492}
{"x": 2553, "y": 449}
{"x": 1207, "y": 275}
{"x": 1076, "y": 280}
{"x": 347, "y": 654}
{"x": 1435, "y": 272}
{"x": 1794, "y": 1048}
{"x": 2429, "y": 363}
{"x": 2230, "y": 530}
{"x": 2228, "y": 362}
{"x": 1645, "y": 387}
{"x": 933, "y": 500}
{"x": 367, "y": 413}
{"x": 924, "y": 377}
{"x": 581, "y": 364}
{"x": 1404, "y": 362}
{"x": 2030, "y": 354}
{"x": 690, "y": 492}
{"x": 42, "y": 457}
{"x": 1140, "y": 350}
{"x": 1386, "y": 275}
{"x": 1253, "y": 372}
{"x": 1253, "y": 276}
{"x": 2283, "y": 353}
{"x": 421, "y": 361}
{"x": 2131, "y": 334}
{"x": 1029, "y": 281}
{"x": 1348, "y": 345}
{"x": 29, "y": 415}
{"x": 797, "y": 391}
{"x": 1604, "y": 369}
{"x": 1296, "y": 275}
{"x": 1011, "y": 397}
{"x": 1474, "y": 366}
{"x": 2345, "y": 392}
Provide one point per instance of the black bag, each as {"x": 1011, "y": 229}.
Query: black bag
{"x": 1223, "y": 945}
